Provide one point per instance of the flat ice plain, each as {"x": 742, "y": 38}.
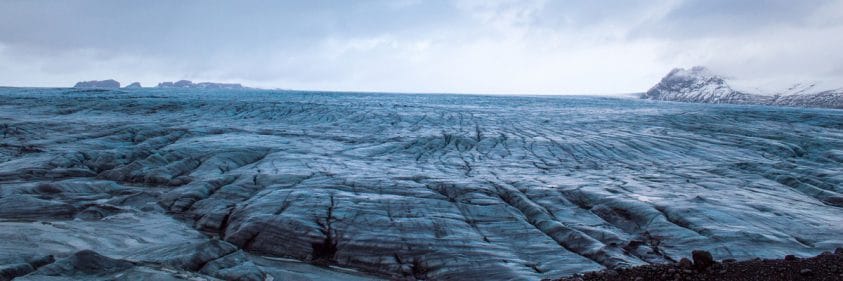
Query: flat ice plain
{"x": 171, "y": 184}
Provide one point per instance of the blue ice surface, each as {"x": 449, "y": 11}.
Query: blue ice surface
{"x": 461, "y": 185}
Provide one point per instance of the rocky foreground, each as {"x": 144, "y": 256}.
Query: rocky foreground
{"x": 164, "y": 184}
{"x": 826, "y": 266}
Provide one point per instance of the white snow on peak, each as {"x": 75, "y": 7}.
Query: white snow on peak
{"x": 697, "y": 84}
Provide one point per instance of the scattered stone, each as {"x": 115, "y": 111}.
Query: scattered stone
{"x": 790, "y": 258}
{"x": 820, "y": 267}
{"x": 42, "y": 261}
{"x": 702, "y": 259}
{"x": 685, "y": 263}
{"x": 806, "y": 271}
{"x": 10, "y": 271}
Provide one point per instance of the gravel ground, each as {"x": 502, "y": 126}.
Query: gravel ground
{"x": 826, "y": 266}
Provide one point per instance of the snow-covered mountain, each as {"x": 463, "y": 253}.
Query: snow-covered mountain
{"x": 698, "y": 84}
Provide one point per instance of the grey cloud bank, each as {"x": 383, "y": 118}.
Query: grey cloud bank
{"x": 514, "y": 47}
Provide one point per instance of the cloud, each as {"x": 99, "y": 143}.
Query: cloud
{"x": 693, "y": 19}
{"x": 515, "y": 47}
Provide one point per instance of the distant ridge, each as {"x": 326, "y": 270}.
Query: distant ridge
{"x": 700, "y": 85}
{"x": 134, "y": 85}
{"x": 98, "y": 84}
{"x": 185, "y": 84}
{"x": 201, "y": 85}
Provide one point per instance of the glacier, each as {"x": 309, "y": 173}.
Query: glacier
{"x": 171, "y": 184}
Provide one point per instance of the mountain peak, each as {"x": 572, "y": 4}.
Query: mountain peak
{"x": 697, "y": 84}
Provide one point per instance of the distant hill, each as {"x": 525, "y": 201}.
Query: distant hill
{"x": 134, "y": 85}
{"x": 185, "y": 84}
{"x": 95, "y": 84}
{"x": 201, "y": 85}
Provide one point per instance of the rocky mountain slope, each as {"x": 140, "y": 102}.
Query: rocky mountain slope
{"x": 699, "y": 85}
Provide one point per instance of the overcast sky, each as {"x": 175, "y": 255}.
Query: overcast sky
{"x": 483, "y": 46}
